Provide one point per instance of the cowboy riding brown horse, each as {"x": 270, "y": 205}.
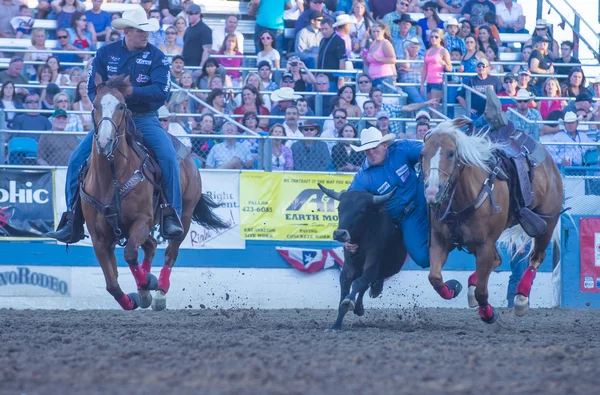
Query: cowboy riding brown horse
{"x": 473, "y": 196}
{"x": 121, "y": 199}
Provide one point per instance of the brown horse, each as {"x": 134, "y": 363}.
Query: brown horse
{"x": 132, "y": 212}
{"x": 469, "y": 206}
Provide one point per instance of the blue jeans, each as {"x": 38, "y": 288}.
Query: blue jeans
{"x": 413, "y": 93}
{"x": 379, "y": 83}
{"x": 415, "y": 229}
{"x": 277, "y": 33}
{"x": 518, "y": 265}
{"x": 156, "y": 139}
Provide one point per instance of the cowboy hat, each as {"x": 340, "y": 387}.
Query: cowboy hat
{"x": 344, "y": 19}
{"x": 411, "y": 41}
{"x": 570, "y": 116}
{"x": 452, "y": 22}
{"x": 163, "y": 112}
{"x": 137, "y": 19}
{"x": 405, "y": 18}
{"x": 371, "y": 138}
{"x": 283, "y": 94}
{"x": 541, "y": 24}
{"x": 311, "y": 124}
{"x": 523, "y": 94}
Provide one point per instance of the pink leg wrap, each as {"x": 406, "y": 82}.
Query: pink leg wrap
{"x": 164, "y": 281}
{"x": 486, "y": 312}
{"x": 147, "y": 265}
{"x": 126, "y": 302}
{"x": 140, "y": 275}
{"x": 446, "y": 292}
{"x": 524, "y": 287}
{"x": 473, "y": 279}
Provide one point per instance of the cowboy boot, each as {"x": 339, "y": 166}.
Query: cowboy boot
{"x": 493, "y": 111}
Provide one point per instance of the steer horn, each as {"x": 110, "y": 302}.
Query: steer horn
{"x": 383, "y": 198}
{"x": 329, "y": 192}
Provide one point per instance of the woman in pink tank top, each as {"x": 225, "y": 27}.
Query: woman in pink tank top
{"x": 437, "y": 60}
{"x": 381, "y": 59}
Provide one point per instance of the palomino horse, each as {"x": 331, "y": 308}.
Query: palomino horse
{"x": 119, "y": 189}
{"x": 469, "y": 206}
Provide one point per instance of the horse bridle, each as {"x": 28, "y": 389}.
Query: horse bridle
{"x": 451, "y": 179}
{"x": 117, "y": 129}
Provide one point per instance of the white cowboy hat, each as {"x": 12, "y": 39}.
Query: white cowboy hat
{"x": 570, "y": 116}
{"x": 371, "y": 138}
{"x": 411, "y": 41}
{"x": 163, "y": 112}
{"x": 344, "y": 19}
{"x": 523, "y": 94}
{"x": 137, "y": 19}
{"x": 284, "y": 93}
{"x": 452, "y": 22}
{"x": 541, "y": 23}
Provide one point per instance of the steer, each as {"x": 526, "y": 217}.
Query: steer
{"x": 381, "y": 253}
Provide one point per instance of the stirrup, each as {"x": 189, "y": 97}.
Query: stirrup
{"x": 166, "y": 210}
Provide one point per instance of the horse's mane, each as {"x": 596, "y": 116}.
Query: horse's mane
{"x": 118, "y": 82}
{"x": 475, "y": 150}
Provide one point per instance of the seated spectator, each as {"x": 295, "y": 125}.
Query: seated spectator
{"x": 23, "y": 22}
{"x": 332, "y": 127}
{"x": 451, "y": 36}
{"x": 82, "y": 33}
{"x": 254, "y": 80}
{"x": 308, "y": 39}
{"x": 55, "y": 150}
{"x": 525, "y": 55}
{"x": 252, "y": 101}
{"x": 156, "y": 38}
{"x": 542, "y": 29}
{"x": 344, "y": 158}
{"x": 290, "y": 124}
{"x": 179, "y": 103}
{"x": 268, "y": 51}
{"x": 169, "y": 46}
{"x": 65, "y": 10}
{"x": 304, "y": 109}
{"x": 13, "y": 74}
{"x": 395, "y": 18}
{"x": 219, "y": 34}
{"x": 186, "y": 82}
{"x": 510, "y": 17}
{"x": 180, "y": 24}
{"x": 114, "y": 36}
{"x": 216, "y": 99}
{"x": 310, "y": 155}
{"x": 57, "y": 77}
{"x": 570, "y": 155}
{"x": 575, "y": 83}
{"x": 466, "y": 29}
{"x": 475, "y": 10}
{"x": 9, "y": 101}
{"x": 364, "y": 87}
{"x": 491, "y": 54}
{"x": 582, "y": 107}
{"x": 38, "y": 42}
{"x": 287, "y": 81}
{"x": 509, "y": 92}
{"x": 173, "y": 128}
{"x": 472, "y": 56}
{"x": 211, "y": 68}
{"x": 523, "y": 100}
{"x": 422, "y": 129}
{"x": 383, "y": 124}
{"x": 479, "y": 83}
{"x": 300, "y": 73}
{"x": 524, "y": 79}
{"x": 230, "y": 154}
{"x": 566, "y": 56}
{"x": 551, "y": 88}
{"x": 539, "y": 61}
{"x": 432, "y": 21}
{"x": 485, "y": 38}
{"x": 30, "y": 120}
{"x": 282, "y": 99}
{"x": 64, "y": 44}
{"x": 170, "y": 9}
{"x": 250, "y": 121}
{"x": 281, "y": 155}
{"x": 347, "y": 96}
{"x": 304, "y": 18}
{"x": 9, "y": 10}
{"x": 264, "y": 73}
{"x": 321, "y": 87}
{"x": 100, "y": 20}
{"x": 63, "y": 102}
{"x": 369, "y": 112}
{"x": 548, "y": 131}
{"x": 177, "y": 65}
{"x": 230, "y": 47}
{"x": 47, "y": 102}
{"x": 396, "y": 111}
{"x": 202, "y": 146}
{"x": 594, "y": 87}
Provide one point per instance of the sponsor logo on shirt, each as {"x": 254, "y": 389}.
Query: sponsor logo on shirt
{"x": 114, "y": 59}
{"x": 145, "y": 54}
{"x": 384, "y": 187}
{"x": 141, "y": 78}
{"x": 111, "y": 69}
{"x": 402, "y": 172}
{"x": 144, "y": 62}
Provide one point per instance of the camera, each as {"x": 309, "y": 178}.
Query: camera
{"x": 293, "y": 63}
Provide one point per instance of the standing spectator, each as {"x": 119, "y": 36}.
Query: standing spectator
{"x": 451, "y": 36}
{"x": 230, "y": 47}
{"x": 170, "y": 47}
{"x": 63, "y": 102}
{"x": 542, "y": 29}
{"x": 290, "y": 124}
{"x": 308, "y": 40}
{"x": 64, "y": 44}
{"x": 99, "y": 19}
{"x": 269, "y": 17}
{"x": 219, "y": 35}
{"x": 197, "y": 40}
{"x": 410, "y": 73}
{"x": 425, "y": 26}
{"x": 479, "y": 83}
{"x": 525, "y": 55}
{"x": 31, "y": 120}
{"x": 475, "y": 11}
{"x": 230, "y": 154}
{"x": 437, "y": 60}
{"x": 523, "y": 100}
{"x": 509, "y": 92}
{"x": 304, "y": 18}
{"x": 360, "y": 31}
{"x": 281, "y": 155}
{"x": 8, "y": 10}
{"x": 566, "y": 56}
{"x": 169, "y": 9}
{"x": 396, "y": 15}
{"x": 510, "y": 18}
{"x": 180, "y": 24}
{"x": 9, "y": 101}
{"x": 264, "y": 73}
{"x": 38, "y": 42}
{"x": 268, "y": 52}
{"x": 570, "y": 155}
{"x": 344, "y": 158}
{"x": 380, "y": 8}
{"x": 332, "y": 53}
{"x": 82, "y": 33}
{"x": 310, "y": 155}
{"x": 381, "y": 59}
{"x": 55, "y": 150}
{"x": 551, "y": 88}
{"x": 539, "y": 61}
{"x": 252, "y": 101}
{"x": 575, "y": 83}
{"x": 64, "y": 10}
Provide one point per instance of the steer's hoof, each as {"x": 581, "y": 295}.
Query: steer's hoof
{"x": 359, "y": 310}
{"x": 347, "y": 305}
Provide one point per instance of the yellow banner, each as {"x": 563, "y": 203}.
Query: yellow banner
{"x": 287, "y": 206}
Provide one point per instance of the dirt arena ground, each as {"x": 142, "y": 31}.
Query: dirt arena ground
{"x": 287, "y": 352}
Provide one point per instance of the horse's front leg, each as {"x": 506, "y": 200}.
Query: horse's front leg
{"x": 145, "y": 281}
{"x": 438, "y": 254}
{"x": 108, "y": 262}
{"x": 487, "y": 258}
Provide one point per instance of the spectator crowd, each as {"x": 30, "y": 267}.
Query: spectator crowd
{"x": 307, "y": 73}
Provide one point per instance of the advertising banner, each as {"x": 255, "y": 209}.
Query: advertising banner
{"x": 589, "y": 238}
{"x": 26, "y": 203}
{"x": 222, "y": 187}
{"x": 35, "y": 281}
{"x": 287, "y": 206}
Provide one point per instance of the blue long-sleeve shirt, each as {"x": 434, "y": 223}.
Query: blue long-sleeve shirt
{"x": 147, "y": 68}
{"x": 397, "y": 171}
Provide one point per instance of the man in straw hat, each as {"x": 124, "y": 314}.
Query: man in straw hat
{"x": 570, "y": 155}
{"x": 391, "y": 165}
{"x": 523, "y": 99}
{"x": 148, "y": 70}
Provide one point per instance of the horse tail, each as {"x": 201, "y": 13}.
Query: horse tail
{"x": 204, "y": 215}
{"x": 515, "y": 239}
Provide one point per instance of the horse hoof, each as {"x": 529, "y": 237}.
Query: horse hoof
{"x": 145, "y": 299}
{"x": 152, "y": 284}
{"x": 135, "y": 298}
{"x": 454, "y": 286}
{"x": 471, "y": 296}
{"x": 493, "y": 318}
{"x": 333, "y": 330}
{"x": 159, "y": 302}
{"x": 348, "y": 305}
{"x": 359, "y": 310}
{"x": 521, "y": 305}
